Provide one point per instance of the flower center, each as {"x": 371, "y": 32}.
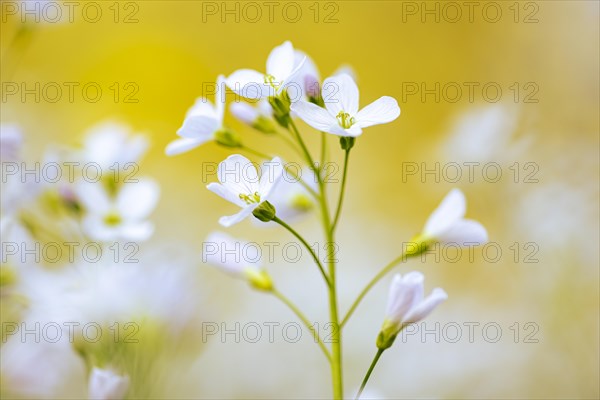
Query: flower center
{"x": 112, "y": 219}
{"x": 345, "y": 120}
{"x": 250, "y": 198}
{"x": 270, "y": 80}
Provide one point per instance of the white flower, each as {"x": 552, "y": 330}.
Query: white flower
{"x": 11, "y": 141}
{"x": 111, "y": 143}
{"x": 202, "y": 121}
{"x": 341, "y": 115}
{"x": 407, "y": 305}
{"x": 106, "y": 385}
{"x": 282, "y": 67}
{"x": 241, "y": 186}
{"x": 447, "y": 223}
{"x": 259, "y": 117}
{"x": 236, "y": 257}
{"x": 123, "y": 217}
{"x": 292, "y": 199}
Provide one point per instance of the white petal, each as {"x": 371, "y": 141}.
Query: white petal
{"x": 451, "y": 210}
{"x": 272, "y": 171}
{"x": 281, "y": 61}
{"x": 381, "y": 111}
{"x": 404, "y": 293}
{"x": 202, "y": 107}
{"x": 314, "y": 116}
{"x": 106, "y": 385}
{"x": 340, "y": 93}
{"x": 199, "y": 127}
{"x": 136, "y": 231}
{"x": 136, "y": 200}
{"x": 224, "y": 251}
{"x": 182, "y": 145}
{"x": 94, "y": 198}
{"x": 465, "y": 232}
{"x": 95, "y": 227}
{"x": 220, "y": 99}
{"x": 239, "y": 174}
{"x": 244, "y": 112}
{"x": 226, "y": 193}
{"x": 234, "y": 219}
{"x": 249, "y": 84}
{"x": 423, "y": 309}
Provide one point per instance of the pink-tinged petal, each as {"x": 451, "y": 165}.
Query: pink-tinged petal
{"x": 281, "y": 61}
{"x": 272, "y": 171}
{"x": 239, "y": 174}
{"x": 199, "y": 127}
{"x": 452, "y": 209}
{"x": 425, "y": 308}
{"x": 249, "y": 84}
{"x": 136, "y": 200}
{"x": 314, "y": 115}
{"x": 381, "y": 111}
{"x": 226, "y": 193}
{"x": 234, "y": 219}
{"x": 340, "y": 93}
{"x": 465, "y": 232}
{"x": 182, "y": 145}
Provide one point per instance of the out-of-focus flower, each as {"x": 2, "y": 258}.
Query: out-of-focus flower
{"x": 110, "y": 143}
{"x": 241, "y": 186}
{"x": 233, "y": 256}
{"x": 406, "y": 305}
{"x": 203, "y": 123}
{"x": 259, "y": 117}
{"x": 341, "y": 115}
{"x": 107, "y": 385}
{"x": 11, "y": 141}
{"x": 122, "y": 218}
{"x": 282, "y": 68}
{"x": 447, "y": 223}
{"x": 292, "y": 199}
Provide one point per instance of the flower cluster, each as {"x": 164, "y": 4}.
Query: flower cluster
{"x": 291, "y": 90}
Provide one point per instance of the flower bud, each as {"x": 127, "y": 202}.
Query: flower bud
{"x": 347, "y": 142}
{"x": 227, "y": 138}
{"x": 259, "y": 279}
{"x": 265, "y": 211}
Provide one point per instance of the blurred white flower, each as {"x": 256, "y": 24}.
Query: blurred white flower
{"x": 241, "y": 186}
{"x": 447, "y": 223}
{"x": 107, "y": 385}
{"x": 110, "y": 143}
{"x": 11, "y": 142}
{"x": 341, "y": 115}
{"x": 259, "y": 117}
{"x": 125, "y": 216}
{"x": 236, "y": 258}
{"x": 282, "y": 68}
{"x": 202, "y": 122}
{"x": 407, "y": 305}
{"x": 292, "y": 199}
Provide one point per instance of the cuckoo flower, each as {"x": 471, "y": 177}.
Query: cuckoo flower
{"x": 341, "y": 115}
{"x": 110, "y": 143}
{"x": 203, "y": 123}
{"x": 447, "y": 223}
{"x": 236, "y": 258}
{"x": 259, "y": 117}
{"x": 123, "y": 217}
{"x": 240, "y": 184}
{"x": 282, "y": 68}
{"x": 406, "y": 305}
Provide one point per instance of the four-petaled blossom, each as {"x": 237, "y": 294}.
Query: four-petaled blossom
{"x": 233, "y": 256}
{"x": 447, "y": 223}
{"x": 202, "y": 122}
{"x": 407, "y": 305}
{"x": 241, "y": 185}
{"x": 125, "y": 216}
{"x": 113, "y": 143}
{"x": 104, "y": 384}
{"x": 341, "y": 115}
{"x": 282, "y": 67}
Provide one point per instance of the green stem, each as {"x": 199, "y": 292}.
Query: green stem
{"x": 364, "y": 382}
{"x": 304, "y": 320}
{"x": 342, "y": 190}
{"x": 323, "y": 149}
{"x": 307, "y": 155}
{"x": 306, "y": 245}
{"x": 372, "y": 283}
